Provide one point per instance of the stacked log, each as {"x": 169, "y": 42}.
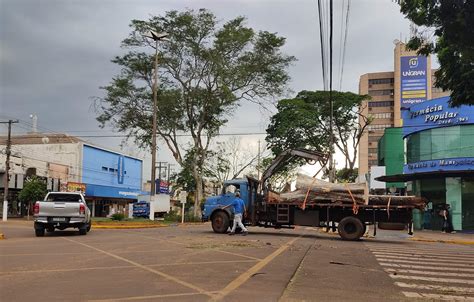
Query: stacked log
{"x": 324, "y": 192}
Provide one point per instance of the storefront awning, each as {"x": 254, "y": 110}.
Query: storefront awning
{"x": 415, "y": 176}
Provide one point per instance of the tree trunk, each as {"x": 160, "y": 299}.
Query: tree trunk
{"x": 199, "y": 194}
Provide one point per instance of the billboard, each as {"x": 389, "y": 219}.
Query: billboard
{"x": 413, "y": 80}
{"x": 435, "y": 113}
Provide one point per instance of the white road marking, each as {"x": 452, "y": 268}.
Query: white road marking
{"x": 463, "y": 250}
{"x": 431, "y": 268}
{"x": 423, "y": 278}
{"x": 444, "y": 261}
{"x": 434, "y": 256}
{"x": 418, "y": 272}
{"x": 437, "y": 297}
{"x": 442, "y": 288}
{"x": 419, "y": 262}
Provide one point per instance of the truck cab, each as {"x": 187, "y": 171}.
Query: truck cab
{"x": 214, "y": 206}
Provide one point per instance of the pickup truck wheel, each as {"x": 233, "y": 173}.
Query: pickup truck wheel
{"x": 220, "y": 222}
{"x": 39, "y": 232}
{"x": 350, "y": 228}
{"x": 89, "y": 226}
{"x": 83, "y": 229}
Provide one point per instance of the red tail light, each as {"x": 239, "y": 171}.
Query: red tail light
{"x": 82, "y": 209}
{"x": 36, "y": 208}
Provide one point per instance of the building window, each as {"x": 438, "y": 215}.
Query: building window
{"x": 379, "y": 127}
{"x": 104, "y": 169}
{"x": 374, "y": 139}
{"x": 373, "y": 162}
{"x": 373, "y": 150}
{"x": 381, "y": 104}
{"x": 381, "y": 81}
{"x": 382, "y": 115}
{"x": 381, "y": 92}
{"x": 440, "y": 143}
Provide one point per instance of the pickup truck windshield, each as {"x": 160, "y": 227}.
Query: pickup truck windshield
{"x": 64, "y": 197}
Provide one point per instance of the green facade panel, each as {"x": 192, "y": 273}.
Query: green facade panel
{"x": 391, "y": 154}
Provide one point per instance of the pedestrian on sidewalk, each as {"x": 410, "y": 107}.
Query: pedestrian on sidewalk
{"x": 239, "y": 212}
{"x": 447, "y": 225}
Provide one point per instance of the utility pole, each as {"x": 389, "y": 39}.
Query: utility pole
{"x": 331, "y": 103}
{"x": 258, "y": 161}
{"x": 157, "y": 37}
{"x": 6, "y": 177}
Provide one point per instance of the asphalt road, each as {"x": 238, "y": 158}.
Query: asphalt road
{"x": 191, "y": 263}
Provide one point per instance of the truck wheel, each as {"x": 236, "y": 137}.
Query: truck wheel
{"x": 39, "y": 232}
{"x": 89, "y": 226}
{"x": 350, "y": 228}
{"x": 220, "y": 222}
{"x": 83, "y": 229}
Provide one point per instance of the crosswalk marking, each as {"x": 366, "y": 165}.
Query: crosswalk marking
{"x": 418, "y": 262}
{"x": 428, "y": 272}
{"x": 431, "y": 251}
{"x": 423, "y": 255}
{"x": 422, "y": 278}
{"x": 463, "y": 262}
{"x": 455, "y": 255}
{"x": 444, "y": 274}
{"x": 442, "y": 288}
{"x": 444, "y": 269}
{"x": 437, "y": 297}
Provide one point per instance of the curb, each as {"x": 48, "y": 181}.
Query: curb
{"x": 140, "y": 226}
{"x": 467, "y": 242}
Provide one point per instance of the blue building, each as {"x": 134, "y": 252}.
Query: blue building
{"x": 439, "y": 161}
{"x": 112, "y": 180}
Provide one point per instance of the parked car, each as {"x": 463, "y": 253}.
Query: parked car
{"x": 62, "y": 210}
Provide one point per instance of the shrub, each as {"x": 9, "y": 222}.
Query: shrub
{"x": 118, "y": 216}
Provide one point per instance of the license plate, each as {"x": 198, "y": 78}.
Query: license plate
{"x": 59, "y": 219}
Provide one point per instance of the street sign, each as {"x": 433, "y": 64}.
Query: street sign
{"x": 182, "y": 196}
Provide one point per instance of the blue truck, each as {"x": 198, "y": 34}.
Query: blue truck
{"x": 262, "y": 210}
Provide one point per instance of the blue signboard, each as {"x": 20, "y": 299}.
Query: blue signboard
{"x": 435, "y": 113}
{"x": 112, "y": 192}
{"x": 413, "y": 80}
{"x": 448, "y": 164}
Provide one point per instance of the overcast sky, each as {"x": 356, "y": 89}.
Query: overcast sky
{"x": 55, "y": 54}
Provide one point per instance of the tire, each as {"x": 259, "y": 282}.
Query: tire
{"x": 350, "y": 228}
{"x": 39, "y": 232}
{"x": 83, "y": 229}
{"x": 89, "y": 226}
{"x": 220, "y": 222}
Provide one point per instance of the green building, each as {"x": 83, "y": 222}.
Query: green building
{"x": 391, "y": 155}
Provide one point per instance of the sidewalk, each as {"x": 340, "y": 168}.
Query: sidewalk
{"x": 438, "y": 236}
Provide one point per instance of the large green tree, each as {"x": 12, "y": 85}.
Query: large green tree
{"x": 33, "y": 190}
{"x": 206, "y": 69}
{"x": 451, "y": 22}
{"x": 303, "y": 122}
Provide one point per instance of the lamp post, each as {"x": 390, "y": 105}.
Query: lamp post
{"x": 156, "y": 37}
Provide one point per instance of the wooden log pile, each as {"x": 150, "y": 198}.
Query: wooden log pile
{"x": 324, "y": 192}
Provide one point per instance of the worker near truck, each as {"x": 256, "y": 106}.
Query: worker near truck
{"x": 239, "y": 212}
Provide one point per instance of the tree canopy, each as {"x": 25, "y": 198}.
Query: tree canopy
{"x": 303, "y": 122}
{"x": 452, "y": 23}
{"x": 205, "y": 70}
{"x": 33, "y": 190}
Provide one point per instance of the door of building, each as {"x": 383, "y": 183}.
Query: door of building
{"x": 435, "y": 191}
{"x": 468, "y": 203}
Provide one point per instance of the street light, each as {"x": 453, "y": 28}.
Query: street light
{"x": 156, "y": 37}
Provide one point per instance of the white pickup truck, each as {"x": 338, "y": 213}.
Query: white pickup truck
{"x": 61, "y": 210}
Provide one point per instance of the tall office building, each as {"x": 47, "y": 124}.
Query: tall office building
{"x": 411, "y": 82}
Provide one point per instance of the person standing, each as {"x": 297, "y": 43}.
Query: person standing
{"x": 239, "y": 211}
{"x": 447, "y": 226}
